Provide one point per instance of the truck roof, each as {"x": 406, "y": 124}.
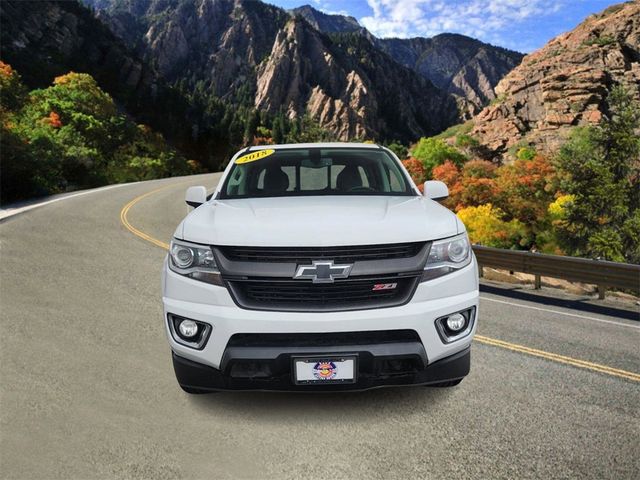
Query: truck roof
{"x": 315, "y": 145}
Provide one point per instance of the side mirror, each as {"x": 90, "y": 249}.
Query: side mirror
{"x": 435, "y": 190}
{"x": 196, "y": 196}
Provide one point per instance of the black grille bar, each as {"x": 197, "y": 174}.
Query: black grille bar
{"x": 288, "y": 340}
{"x": 356, "y": 293}
{"x": 305, "y": 255}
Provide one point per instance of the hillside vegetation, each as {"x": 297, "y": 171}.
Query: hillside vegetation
{"x": 582, "y": 201}
{"x": 71, "y": 135}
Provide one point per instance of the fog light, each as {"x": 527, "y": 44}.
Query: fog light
{"x": 187, "y": 332}
{"x": 188, "y": 328}
{"x": 456, "y": 326}
{"x": 456, "y": 322}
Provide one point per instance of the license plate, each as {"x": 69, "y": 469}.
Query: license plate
{"x": 324, "y": 370}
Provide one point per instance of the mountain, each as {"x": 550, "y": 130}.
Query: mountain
{"x": 44, "y": 40}
{"x": 327, "y": 23}
{"x": 349, "y": 86}
{"x": 256, "y": 55}
{"x": 459, "y": 65}
{"x": 564, "y": 84}
{"x": 224, "y": 70}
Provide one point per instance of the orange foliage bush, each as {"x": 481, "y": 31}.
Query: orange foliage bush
{"x": 478, "y": 185}
{"x": 53, "y": 119}
{"x": 526, "y": 188}
{"x": 416, "y": 170}
{"x": 5, "y": 69}
{"x": 262, "y": 141}
{"x": 449, "y": 173}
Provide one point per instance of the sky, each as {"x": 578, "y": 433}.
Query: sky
{"x": 522, "y": 25}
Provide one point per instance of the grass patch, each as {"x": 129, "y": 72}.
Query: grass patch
{"x": 456, "y": 130}
{"x": 499, "y": 99}
{"x": 600, "y": 41}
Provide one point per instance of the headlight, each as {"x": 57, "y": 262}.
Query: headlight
{"x": 447, "y": 256}
{"x": 194, "y": 261}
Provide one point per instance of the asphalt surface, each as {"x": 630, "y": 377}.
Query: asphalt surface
{"x": 88, "y": 390}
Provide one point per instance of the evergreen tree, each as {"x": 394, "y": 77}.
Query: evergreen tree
{"x": 251, "y": 126}
{"x": 600, "y": 169}
{"x": 278, "y": 130}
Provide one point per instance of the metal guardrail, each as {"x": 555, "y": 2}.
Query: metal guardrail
{"x": 595, "y": 272}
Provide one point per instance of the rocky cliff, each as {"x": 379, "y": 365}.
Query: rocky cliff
{"x": 564, "y": 84}
{"x": 224, "y": 58}
{"x": 45, "y": 39}
{"x": 252, "y": 53}
{"x": 349, "y": 86}
{"x": 327, "y": 23}
{"x": 459, "y": 65}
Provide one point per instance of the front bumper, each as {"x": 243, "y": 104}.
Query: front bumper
{"x": 194, "y": 375}
{"x": 213, "y": 305}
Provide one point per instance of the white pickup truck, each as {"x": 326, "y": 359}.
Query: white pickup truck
{"x": 319, "y": 267}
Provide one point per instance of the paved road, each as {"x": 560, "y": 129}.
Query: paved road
{"x": 88, "y": 389}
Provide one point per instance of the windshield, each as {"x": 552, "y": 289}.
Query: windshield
{"x": 315, "y": 171}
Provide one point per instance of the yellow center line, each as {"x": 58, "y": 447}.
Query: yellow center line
{"x": 125, "y": 221}
{"x": 554, "y": 357}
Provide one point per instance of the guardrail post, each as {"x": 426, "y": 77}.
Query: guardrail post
{"x": 481, "y": 271}
{"x": 537, "y": 282}
{"x": 601, "y": 291}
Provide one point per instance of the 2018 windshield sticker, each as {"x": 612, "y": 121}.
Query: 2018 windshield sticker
{"x": 252, "y": 157}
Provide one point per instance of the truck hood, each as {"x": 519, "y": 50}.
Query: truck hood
{"x": 318, "y": 221}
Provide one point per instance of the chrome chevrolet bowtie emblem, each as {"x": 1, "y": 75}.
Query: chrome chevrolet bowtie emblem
{"x": 322, "y": 271}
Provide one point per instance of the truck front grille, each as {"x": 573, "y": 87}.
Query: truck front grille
{"x": 305, "y": 255}
{"x": 355, "y": 293}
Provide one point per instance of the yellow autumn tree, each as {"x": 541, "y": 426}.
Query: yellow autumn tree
{"x": 485, "y": 226}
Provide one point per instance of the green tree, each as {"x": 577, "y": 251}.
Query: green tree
{"x": 12, "y": 91}
{"x": 600, "y": 168}
{"x": 236, "y": 131}
{"x": 400, "y": 150}
{"x": 278, "y": 129}
{"x": 253, "y": 120}
{"x": 71, "y": 135}
{"x": 433, "y": 152}
{"x": 309, "y": 131}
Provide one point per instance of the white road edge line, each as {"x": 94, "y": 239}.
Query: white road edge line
{"x": 602, "y": 320}
{"x": 10, "y": 212}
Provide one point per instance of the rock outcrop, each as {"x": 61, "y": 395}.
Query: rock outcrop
{"x": 45, "y": 39}
{"x": 564, "y": 84}
{"x": 254, "y": 54}
{"x": 459, "y": 65}
{"x": 327, "y": 23}
{"x": 352, "y": 99}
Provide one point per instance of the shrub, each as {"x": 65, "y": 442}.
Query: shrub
{"x": 433, "y": 152}
{"x": 400, "y": 150}
{"x": 478, "y": 184}
{"x": 485, "y": 226}
{"x": 71, "y": 135}
{"x": 450, "y": 175}
{"x": 416, "y": 170}
{"x": 525, "y": 189}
